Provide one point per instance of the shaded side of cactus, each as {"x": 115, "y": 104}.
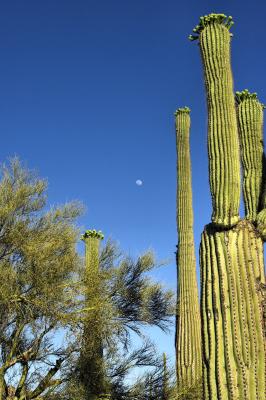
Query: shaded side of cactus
{"x": 223, "y": 144}
{"x": 231, "y": 301}
{"x": 188, "y": 340}
{"x": 250, "y": 123}
{"x": 91, "y": 365}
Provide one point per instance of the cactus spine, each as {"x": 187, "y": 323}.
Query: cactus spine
{"x": 231, "y": 252}
{"x": 188, "y": 340}
{"x": 92, "y": 372}
{"x": 250, "y": 122}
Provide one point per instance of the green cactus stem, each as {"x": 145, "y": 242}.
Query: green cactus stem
{"x": 223, "y": 144}
{"x": 232, "y": 269}
{"x": 188, "y": 340}
{"x": 250, "y": 123}
{"x": 165, "y": 378}
{"x": 92, "y": 371}
{"x": 261, "y": 223}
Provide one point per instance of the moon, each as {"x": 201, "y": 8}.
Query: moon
{"x": 139, "y": 182}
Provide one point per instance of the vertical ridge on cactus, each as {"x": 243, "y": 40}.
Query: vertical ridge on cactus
{"x": 250, "y": 123}
{"x": 223, "y": 143}
{"x": 188, "y": 340}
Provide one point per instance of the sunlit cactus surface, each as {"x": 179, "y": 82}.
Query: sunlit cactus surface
{"x": 188, "y": 337}
{"x": 231, "y": 251}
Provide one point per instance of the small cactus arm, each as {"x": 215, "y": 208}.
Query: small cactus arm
{"x": 250, "y": 125}
{"x": 261, "y": 223}
{"x": 223, "y": 144}
{"x": 231, "y": 252}
{"x": 188, "y": 338}
{"x": 261, "y": 217}
{"x": 92, "y": 373}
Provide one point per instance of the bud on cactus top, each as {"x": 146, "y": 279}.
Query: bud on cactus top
{"x": 182, "y": 110}
{"x": 211, "y": 19}
{"x": 93, "y": 234}
{"x": 246, "y": 95}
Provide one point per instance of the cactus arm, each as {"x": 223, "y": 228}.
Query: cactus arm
{"x": 223, "y": 144}
{"x": 261, "y": 223}
{"x": 250, "y": 123}
{"x": 188, "y": 340}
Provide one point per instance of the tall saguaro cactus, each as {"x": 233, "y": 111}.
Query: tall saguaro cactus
{"x": 188, "y": 340}
{"x": 231, "y": 253}
{"x": 224, "y": 168}
{"x": 92, "y": 372}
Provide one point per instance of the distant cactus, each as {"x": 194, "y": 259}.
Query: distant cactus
{"x": 188, "y": 338}
{"x": 92, "y": 371}
{"x": 231, "y": 252}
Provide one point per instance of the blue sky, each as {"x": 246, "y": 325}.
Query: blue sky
{"x": 88, "y": 92}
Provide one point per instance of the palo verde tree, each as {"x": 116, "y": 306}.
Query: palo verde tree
{"x": 231, "y": 253}
{"x": 188, "y": 336}
{"x": 38, "y": 266}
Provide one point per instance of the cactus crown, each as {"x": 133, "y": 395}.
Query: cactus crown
{"x": 93, "y": 234}
{"x": 211, "y": 19}
{"x": 182, "y": 110}
{"x": 246, "y": 95}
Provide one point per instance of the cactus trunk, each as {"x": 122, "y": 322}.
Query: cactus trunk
{"x": 92, "y": 372}
{"x": 188, "y": 340}
{"x": 232, "y": 269}
{"x": 231, "y": 253}
{"x": 223, "y": 143}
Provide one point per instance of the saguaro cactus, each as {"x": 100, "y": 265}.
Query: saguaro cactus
{"x": 250, "y": 122}
{"x": 250, "y": 117}
{"x": 188, "y": 340}
{"x": 223, "y": 144}
{"x": 91, "y": 367}
{"x": 231, "y": 253}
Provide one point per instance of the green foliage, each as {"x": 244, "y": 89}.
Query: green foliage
{"x": 191, "y": 393}
{"x": 38, "y": 266}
